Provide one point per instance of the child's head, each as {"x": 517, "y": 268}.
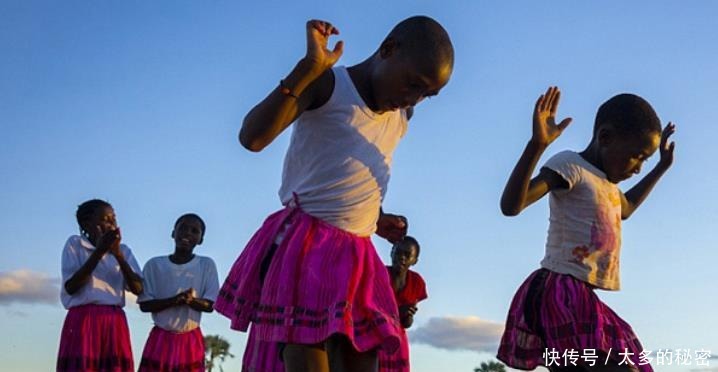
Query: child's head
{"x": 627, "y": 131}
{"x": 95, "y": 217}
{"x": 188, "y": 232}
{"x": 405, "y": 253}
{"x": 413, "y": 62}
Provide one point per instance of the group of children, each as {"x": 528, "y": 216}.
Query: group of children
{"x": 97, "y": 269}
{"x": 309, "y": 285}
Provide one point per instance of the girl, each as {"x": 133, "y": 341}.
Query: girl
{"x": 409, "y": 288}
{"x": 96, "y": 271}
{"x": 178, "y": 289}
{"x": 310, "y": 279}
{"x": 556, "y": 309}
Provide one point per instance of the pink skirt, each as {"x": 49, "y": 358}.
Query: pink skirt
{"x": 95, "y": 338}
{"x": 398, "y": 361}
{"x": 261, "y": 356}
{"x": 167, "y": 351}
{"x": 559, "y": 313}
{"x": 319, "y": 281}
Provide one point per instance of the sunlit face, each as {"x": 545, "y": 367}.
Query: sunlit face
{"x": 400, "y": 81}
{"x": 187, "y": 234}
{"x": 404, "y": 255}
{"x": 102, "y": 221}
{"x": 622, "y": 158}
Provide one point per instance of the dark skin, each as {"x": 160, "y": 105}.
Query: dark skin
{"x": 187, "y": 234}
{"x": 103, "y": 233}
{"x": 403, "y": 256}
{"x": 386, "y": 81}
{"x": 618, "y": 157}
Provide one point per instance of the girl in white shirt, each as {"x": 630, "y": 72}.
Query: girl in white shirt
{"x": 556, "y": 310}
{"x": 178, "y": 289}
{"x": 96, "y": 271}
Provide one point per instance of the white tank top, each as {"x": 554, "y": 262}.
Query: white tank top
{"x": 339, "y": 159}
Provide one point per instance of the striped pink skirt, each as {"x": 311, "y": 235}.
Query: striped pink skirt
{"x": 398, "y": 361}
{"x": 553, "y": 315}
{"x": 261, "y": 356}
{"x": 318, "y": 281}
{"x": 95, "y": 338}
{"x": 167, "y": 351}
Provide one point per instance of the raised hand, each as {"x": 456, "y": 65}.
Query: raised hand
{"x": 318, "y": 33}
{"x": 545, "y": 129}
{"x": 666, "y": 148}
{"x": 108, "y": 241}
{"x": 392, "y": 227}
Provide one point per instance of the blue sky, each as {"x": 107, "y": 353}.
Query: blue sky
{"x": 139, "y": 103}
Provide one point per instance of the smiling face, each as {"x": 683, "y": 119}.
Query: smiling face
{"x": 623, "y": 156}
{"x": 187, "y": 234}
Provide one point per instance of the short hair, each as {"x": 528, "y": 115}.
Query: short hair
{"x": 423, "y": 36}
{"x": 409, "y": 240}
{"x": 196, "y": 217}
{"x": 86, "y": 210}
{"x": 629, "y": 114}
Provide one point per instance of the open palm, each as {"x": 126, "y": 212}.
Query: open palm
{"x": 545, "y": 129}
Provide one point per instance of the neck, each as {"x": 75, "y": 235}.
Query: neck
{"x": 591, "y": 155}
{"x": 361, "y": 77}
{"x": 181, "y": 257}
{"x": 398, "y": 273}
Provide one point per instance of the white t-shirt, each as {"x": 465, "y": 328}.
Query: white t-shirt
{"x": 584, "y": 235}
{"x": 164, "y": 279}
{"x": 106, "y": 285}
{"x": 339, "y": 159}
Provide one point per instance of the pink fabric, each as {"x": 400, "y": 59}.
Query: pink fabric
{"x": 167, "y": 351}
{"x": 559, "y": 312}
{"x": 261, "y": 356}
{"x": 95, "y": 338}
{"x": 320, "y": 281}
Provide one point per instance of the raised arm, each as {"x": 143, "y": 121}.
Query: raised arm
{"x": 521, "y": 191}
{"x": 308, "y": 85}
{"x": 638, "y": 193}
{"x": 83, "y": 274}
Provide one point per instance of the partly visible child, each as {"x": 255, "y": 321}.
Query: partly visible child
{"x": 310, "y": 279}
{"x": 178, "y": 289}
{"x": 409, "y": 289}
{"x": 556, "y": 309}
{"x": 96, "y": 271}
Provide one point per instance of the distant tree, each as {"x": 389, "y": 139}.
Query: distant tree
{"x": 215, "y": 347}
{"x": 490, "y": 367}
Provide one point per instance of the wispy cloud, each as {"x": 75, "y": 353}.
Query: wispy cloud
{"x": 26, "y": 286}
{"x": 459, "y": 333}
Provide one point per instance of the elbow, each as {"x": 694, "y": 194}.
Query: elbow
{"x": 250, "y": 141}
{"x": 69, "y": 288}
{"x": 250, "y": 144}
{"x": 137, "y": 288}
{"x": 510, "y": 210}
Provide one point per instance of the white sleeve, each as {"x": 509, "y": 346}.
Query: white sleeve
{"x": 70, "y": 260}
{"x": 211, "y": 282}
{"x": 564, "y": 165}
{"x": 148, "y": 287}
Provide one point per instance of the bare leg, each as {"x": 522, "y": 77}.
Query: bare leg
{"x": 305, "y": 358}
{"x": 344, "y": 358}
